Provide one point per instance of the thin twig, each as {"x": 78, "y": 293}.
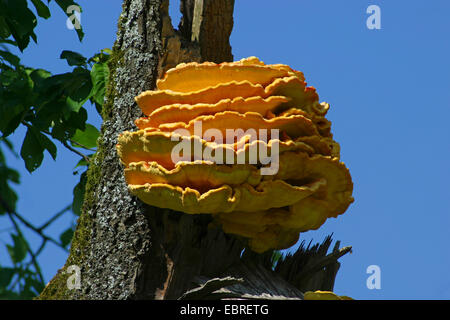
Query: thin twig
{"x": 86, "y": 158}
{"x": 33, "y": 257}
{"x": 64, "y": 143}
{"x": 29, "y": 225}
{"x": 12, "y": 215}
{"x": 56, "y": 216}
{"x": 38, "y": 252}
{"x": 71, "y": 141}
{"x": 81, "y": 145}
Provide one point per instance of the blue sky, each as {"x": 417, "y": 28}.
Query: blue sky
{"x": 390, "y": 107}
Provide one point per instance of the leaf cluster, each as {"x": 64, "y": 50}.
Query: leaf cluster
{"x": 52, "y": 108}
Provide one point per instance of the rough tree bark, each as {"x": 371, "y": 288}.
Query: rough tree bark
{"x": 127, "y": 250}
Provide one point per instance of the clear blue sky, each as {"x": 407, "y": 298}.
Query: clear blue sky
{"x": 390, "y": 108}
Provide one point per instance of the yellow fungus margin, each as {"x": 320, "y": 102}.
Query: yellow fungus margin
{"x": 280, "y": 173}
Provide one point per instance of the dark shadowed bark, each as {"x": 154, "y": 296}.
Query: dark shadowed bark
{"x": 128, "y": 250}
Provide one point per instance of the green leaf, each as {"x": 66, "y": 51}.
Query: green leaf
{"x": 101, "y": 57}
{"x": 4, "y": 30}
{"x": 39, "y": 75}
{"x": 9, "y": 197}
{"x": 78, "y": 194}
{"x": 66, "y": 237}
{"x": 26, "y": 293}
{"x": 19, "y": 21}
{"x": 9, "y": 295}
{"x": 99, "y": 76}
{"x": 65, "y": 5}
{"x": 37, "y": 285}
{"x": 6, "y": 275}
{"x": 41, "y": 9}
{"x": 72, "y": 105}
{"x": 81, "y": 95}
{"x": 64, "y": 130}
{"x": 54, "y": 85}
{"x": 18, "y": 252}
{"x": 83, "y": 162}
{"x": 7, "y": 175}
{"x": 16, "y": 97}
{"x": 107, "y": 51}
{"x": 73, "y": 58}
{"x": 31, "y": 151}
{"x": 8, "y": 41}
{"x": 78, "y": 88}
{"x": 77, "y": 120}
{"x": 59, "y": 102}
{"x": 9, "y": 145}
{"x": 11, "y": 58}
{"x": 48, "y": 145}
{"x": 87, "y": 138}
{"x": 276, "y": 256}
{"x": 99, "y": 108}
{"x": 33, "y": 147}
{"x": 10, "y": 117}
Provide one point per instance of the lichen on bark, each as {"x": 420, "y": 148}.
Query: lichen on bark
{"x": 112, "y": 232}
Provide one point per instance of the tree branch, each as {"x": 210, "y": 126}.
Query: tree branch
{"x": 12, "y": 213}
{"x": 212, "y": 24}
{"x": 86, "y": 158}
{"x": 32, "y": 255}
{"x": 55, "y": 216}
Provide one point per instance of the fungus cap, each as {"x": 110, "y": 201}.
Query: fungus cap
{"x": 187, "y": 112}
{"x": 170, "y": 164}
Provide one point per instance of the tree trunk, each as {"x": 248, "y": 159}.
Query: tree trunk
{"x": 128, "y": 250}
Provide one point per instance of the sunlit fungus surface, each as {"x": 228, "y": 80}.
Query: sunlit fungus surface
{"x": 323, "y": 295}
{"x": 243, "y": 141}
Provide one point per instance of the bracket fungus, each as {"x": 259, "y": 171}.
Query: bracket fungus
{"x": 243, "y": 141}
{"x": 323, "y": 295}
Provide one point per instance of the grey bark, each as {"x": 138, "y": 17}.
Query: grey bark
{"x": 133, "y": 251}
{"x": 120, "y": 234}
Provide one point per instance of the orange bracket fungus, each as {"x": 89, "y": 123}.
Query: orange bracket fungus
{"x": 245, "y": 142}
{"x": 323, "y": 295}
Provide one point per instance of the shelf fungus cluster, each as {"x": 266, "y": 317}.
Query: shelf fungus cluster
{"x": 243, "y": 141}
